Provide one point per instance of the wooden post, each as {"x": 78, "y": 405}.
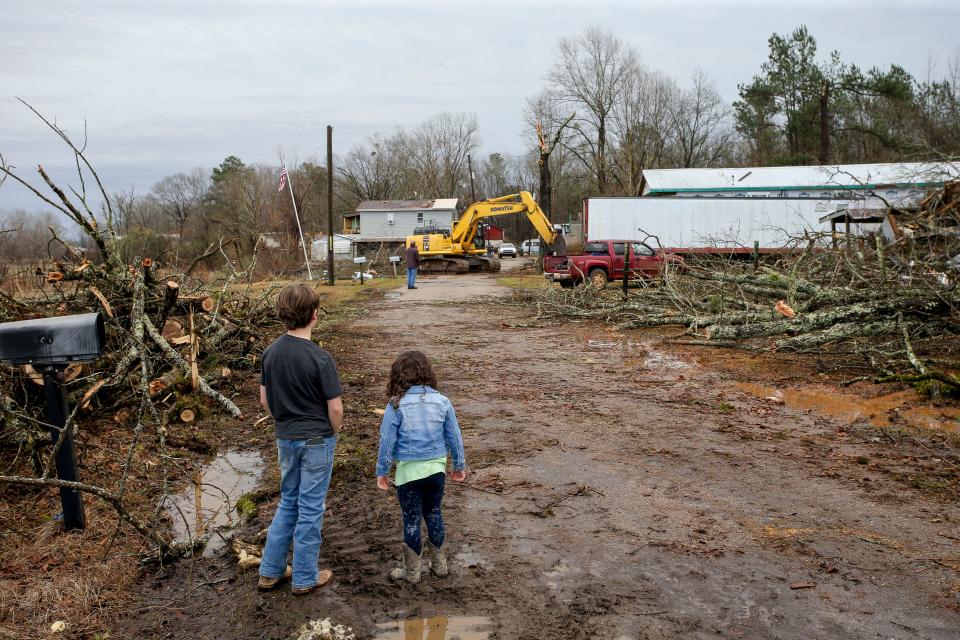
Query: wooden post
{"x": 626, "y": 268}
{"x": 330, "y": 205}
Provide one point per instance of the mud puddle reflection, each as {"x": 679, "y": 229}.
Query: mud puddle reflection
{"x": 882, "y": 411}
{"x": 208, "y": 503}
{"x": 436, "y": 628}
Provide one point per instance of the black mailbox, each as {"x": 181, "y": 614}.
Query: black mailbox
{"x": 53, "y": 341}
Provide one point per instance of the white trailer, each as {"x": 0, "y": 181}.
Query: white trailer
{"x": 706, "y": 225}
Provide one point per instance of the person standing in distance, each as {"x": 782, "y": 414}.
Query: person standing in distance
{"x": 413, "y": 263}
{"x": 300, "y": 388}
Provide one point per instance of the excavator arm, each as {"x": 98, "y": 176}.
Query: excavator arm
{"x": 465, "y": 230}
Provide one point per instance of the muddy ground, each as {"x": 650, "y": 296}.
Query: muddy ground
{"x": 618, "y": 488}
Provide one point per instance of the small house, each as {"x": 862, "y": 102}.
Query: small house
{"x": 391, "y": 220}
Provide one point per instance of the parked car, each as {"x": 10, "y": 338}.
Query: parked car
{"x": 531, "y": 247}
{"x": 507, "y": 249}
{"x": 603, "y": 261}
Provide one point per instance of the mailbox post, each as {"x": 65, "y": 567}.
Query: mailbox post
{"x": 74, "y": 516}
{"x": 361, "y": 260}
{"x": 51, "y": 344}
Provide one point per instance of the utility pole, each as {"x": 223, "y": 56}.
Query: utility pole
{"x": 473, "y": 192}
{"x": 330, "y": 274}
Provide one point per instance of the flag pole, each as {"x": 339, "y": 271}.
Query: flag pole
{"x": 296, "y": 215}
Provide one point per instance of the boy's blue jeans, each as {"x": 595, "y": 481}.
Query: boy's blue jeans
{"x": 411, "y": 277}
{"x": 304, "y": 478}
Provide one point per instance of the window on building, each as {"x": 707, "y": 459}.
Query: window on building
{"x": 420, "y": 217}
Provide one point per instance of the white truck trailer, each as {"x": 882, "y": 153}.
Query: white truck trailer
{"x": 713, "y": 225}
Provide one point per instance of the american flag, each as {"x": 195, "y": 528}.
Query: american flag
{"x": 283, "y": 180}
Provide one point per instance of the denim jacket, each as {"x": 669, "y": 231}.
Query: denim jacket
{"x": 422, "y": 428}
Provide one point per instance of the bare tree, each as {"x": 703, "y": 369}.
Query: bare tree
{"x": 438, "y": 150}
{"x": 126, "y": 205}
{"x": 376, "y": 170}
{"x": 181, "y": 196}
{"x": 589, "y": 75}
{"x": 700, "y": 123}
{"x": 641, "y": 126}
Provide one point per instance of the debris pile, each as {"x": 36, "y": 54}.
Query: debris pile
{"x": 889, "y": 308}
{"x": 173, "y": 349}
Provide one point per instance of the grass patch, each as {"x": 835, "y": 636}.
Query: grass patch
{"x": 533, "y": 281}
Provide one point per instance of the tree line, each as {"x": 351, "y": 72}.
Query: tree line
{"x": 601, "y": 118}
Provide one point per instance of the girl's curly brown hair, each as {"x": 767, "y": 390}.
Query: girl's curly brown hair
{"x": 411, "y": 368}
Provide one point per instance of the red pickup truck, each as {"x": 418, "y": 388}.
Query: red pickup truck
{"x": 603, "y": 261}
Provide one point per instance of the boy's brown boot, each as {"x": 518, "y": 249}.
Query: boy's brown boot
{"x": 438, "y": 560}
{"x": 409, "y": 568}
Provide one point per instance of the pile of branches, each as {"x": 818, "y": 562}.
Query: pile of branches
{"x": 891, "y": 308}
{"x": 171, "y": 342}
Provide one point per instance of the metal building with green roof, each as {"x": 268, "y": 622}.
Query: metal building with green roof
{"x": 894, "y": 182}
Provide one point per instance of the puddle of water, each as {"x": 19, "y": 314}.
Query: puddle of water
{"x": 208, "y": 502}
{"x": 436, "y": 628}
{"x": 635, "y": 352}
{"x": 556, "y": 576}
{"x": 469, "y": 557}
{"x": 658, "y": 360}
{"x": 878, "y": 411}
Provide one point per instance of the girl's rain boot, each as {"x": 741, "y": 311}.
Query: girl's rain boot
{"x": 438, "y": 560}
{"x": 409, "y": 568}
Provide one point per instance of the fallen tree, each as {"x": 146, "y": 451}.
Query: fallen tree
{"x": 890, "y": 307}
{"x": 171, "y": 344}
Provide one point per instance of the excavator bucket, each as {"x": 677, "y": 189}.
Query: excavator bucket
{"x": 565, "y": 245}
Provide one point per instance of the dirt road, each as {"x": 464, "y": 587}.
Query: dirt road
{"x": 617, "y": 490}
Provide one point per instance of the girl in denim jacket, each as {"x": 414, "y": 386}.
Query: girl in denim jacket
{"x": 419, "y": 429}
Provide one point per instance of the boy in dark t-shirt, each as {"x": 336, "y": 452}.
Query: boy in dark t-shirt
{"x": 300, "y": 388}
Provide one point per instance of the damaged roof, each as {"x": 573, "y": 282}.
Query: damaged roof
{"x": 843, "y": 176}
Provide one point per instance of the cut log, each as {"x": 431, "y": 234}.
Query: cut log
{"x": 225, "y": 372}
{"x": 823, "y": 319}
{"x": 72, "y": 372}
{"x": 836, "y": 333}
{"x": 35, "y": 376}
{"x": 196, "y": 303}
{"x": 171, "y": 291}
{"x": 88, "y": 395}
{"x": 187, "y": 416}
{"x": 157, "y": 386}
{"x": 172, "y": 329}
{"x": 183, "y": 365}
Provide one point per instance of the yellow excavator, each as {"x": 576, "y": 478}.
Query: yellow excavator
{"x": 463, "y": 248}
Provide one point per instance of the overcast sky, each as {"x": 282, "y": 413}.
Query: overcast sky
{"x": 165, "y": 86}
